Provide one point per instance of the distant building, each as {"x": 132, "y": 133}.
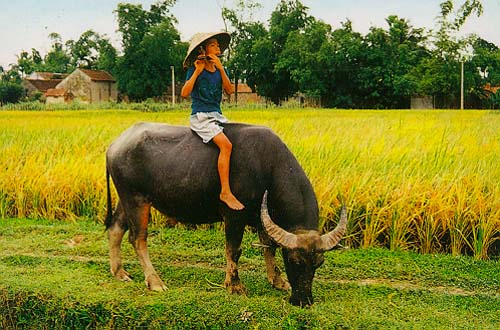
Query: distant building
{"x": 89, "y": 86}
{"x": 83, "y": 85}
{"x": 56, "y": 95}
{"x": 245, "y": 95}
{"x": 491, "y": 89}
{"x": 422, "y": 102}
{"x": 33, "y": 86}
{"x": 39, "y": 75}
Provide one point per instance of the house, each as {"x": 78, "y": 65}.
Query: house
{"x": 89, "y": 86}
{"x": 40, "y": 75}
{"x": 39, "y": 82}
{"x": 55, "y": 95}
{"x": 34, "y": 86}
{"x": 84, "y": 85}
{"x": 245, "y": 95}
{"x": 491, "y": 89}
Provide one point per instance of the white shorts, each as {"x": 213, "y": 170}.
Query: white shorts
{"x": 207, "y": 124}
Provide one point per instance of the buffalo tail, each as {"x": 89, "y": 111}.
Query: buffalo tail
{"x": 109, "y": 215}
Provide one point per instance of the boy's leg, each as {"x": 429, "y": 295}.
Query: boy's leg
{"x": 226, "y": 195}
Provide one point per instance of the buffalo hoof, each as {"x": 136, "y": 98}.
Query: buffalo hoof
{"x": 280, "y": 283}
{"x": 154, "y": 283}
{"x": 236, "y": 288}
{"x": 122, "y": 275}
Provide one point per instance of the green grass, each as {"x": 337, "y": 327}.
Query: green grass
{"x": 46, "y": 282}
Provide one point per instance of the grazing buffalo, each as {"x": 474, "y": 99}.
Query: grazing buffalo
{"x": 170, "y": 168}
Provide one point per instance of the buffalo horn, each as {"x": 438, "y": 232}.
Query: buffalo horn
{"x": 331, "y": 239}
{"x": 278, "y": 234}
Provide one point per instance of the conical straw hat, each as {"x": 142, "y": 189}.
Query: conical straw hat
{"x": 199, "y": 38}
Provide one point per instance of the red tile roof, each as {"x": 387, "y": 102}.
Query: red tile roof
{"x": 492, "y": 89}
{"x": 55, "y": 92}
{"x": 98, "y": 75}
{"x": 44, "y": 85}
{"x": 244, "y": 88}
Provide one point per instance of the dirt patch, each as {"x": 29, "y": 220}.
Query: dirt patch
{"x": 407, "y": 285}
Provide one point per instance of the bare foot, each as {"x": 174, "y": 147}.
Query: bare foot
{"x": 231, "y": 201}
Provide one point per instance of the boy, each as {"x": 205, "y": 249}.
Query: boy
{"x": 205, "y": 82}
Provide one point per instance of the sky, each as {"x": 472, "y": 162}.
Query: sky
{"x": 26, "y": 24}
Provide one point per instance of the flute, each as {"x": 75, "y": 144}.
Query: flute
{"x": 204, "y": 57}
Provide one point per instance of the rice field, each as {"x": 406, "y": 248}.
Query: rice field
{"x": 426, "y": 181}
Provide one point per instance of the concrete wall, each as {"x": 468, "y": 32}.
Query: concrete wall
{"x": 77, "y": 84}
{"x": 103, "y": 91}
{"x": 424, "y": 102}
{"x": 83, "y": 89}
{"x": 53, "y": 99}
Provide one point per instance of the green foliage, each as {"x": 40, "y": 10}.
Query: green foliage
{"x": 296, "y": 55}
{"x": 243, "y": 62}
{"x": 92, "y": 51}
{"x": 10, "y": 92}
{"x": 57, "y": 59}
{"x": 257, "y": 59}
{"x": 383, "y": 69}
{"x": 494, "y": 100}
{"x": 151, "y": 46}
{"x": 290, "y": 16}
{"x": 55, "y": 276}
{"x": 439, "y": 75}
{"x": 27, "y": 63}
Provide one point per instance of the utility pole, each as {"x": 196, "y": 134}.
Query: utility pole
{"x": 462, "y": 85}
{"x": 173, "y": 84}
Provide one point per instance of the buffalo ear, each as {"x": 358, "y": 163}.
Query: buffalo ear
{"x": 282, "y": 237}
{"x": 330, "y": 240}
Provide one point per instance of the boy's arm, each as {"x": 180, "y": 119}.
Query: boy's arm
{"x": 226, "y": 83}
{"x": 189, "y": 84}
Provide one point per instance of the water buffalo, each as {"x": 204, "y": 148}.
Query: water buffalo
{"x": 169, "y": 168}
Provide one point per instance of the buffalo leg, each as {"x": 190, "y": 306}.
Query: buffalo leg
{"x": 273, "y": 272}
{"x": 115, "y": 236}
{"x": 138, "y": 214}
{"x": 234, "y": 229}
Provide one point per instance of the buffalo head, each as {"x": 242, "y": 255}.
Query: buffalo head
{"x": 302, "y": 252}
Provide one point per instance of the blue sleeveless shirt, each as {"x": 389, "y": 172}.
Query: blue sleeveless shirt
{"x": 206, "y": 95}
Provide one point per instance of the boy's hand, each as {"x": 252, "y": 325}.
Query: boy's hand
{"x": 199, "y": 65}
{"x": 216, "y": 61}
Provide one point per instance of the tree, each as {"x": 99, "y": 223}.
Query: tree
{"x": 151, "y": 44}
{"x": 10, "y": 92}
{"x": 388, "y": 58}
{"x": 28, "y": 63}
{"x": 482, "y": 70}
{"x": 342, "y": 57}
{"x": 303, "y": 57}
{"x": 12, "y": 75}
{"x": 439, "y": 75}
{"x": 273, "y": 80}
{"x": 244, "y": 34}
{"x": 92, "y": 51}
{"x": 25, "y": 63}
{"x": 57, "y": 59}
{"x": 107, "y": 57}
